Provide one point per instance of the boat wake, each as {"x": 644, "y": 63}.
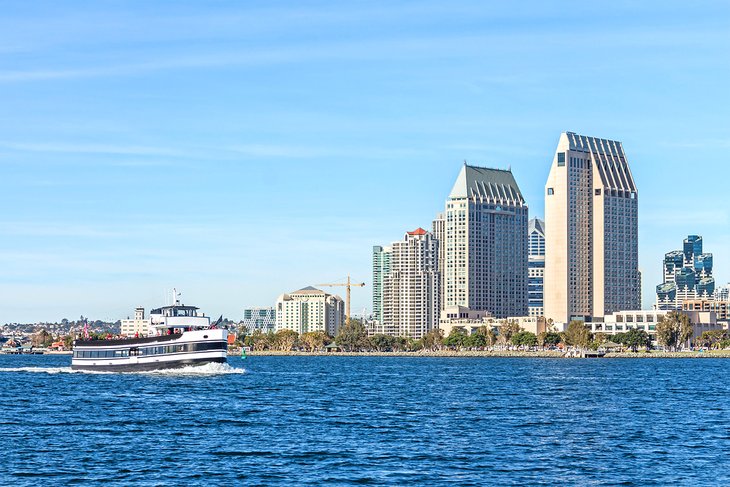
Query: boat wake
{"x": 207, "y": 369}
{"x": 201, "y": 370}
{"x": 42, "y": 370}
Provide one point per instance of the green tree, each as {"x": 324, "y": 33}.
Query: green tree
{"x": 551, "y": 338}
{"x": 382, "y": 343}
{"x": 285, "y": 340}
{"x": 456, "y": 338}
{"x": 674, "y": 329}
{"x": 352, "y": 336}
{"x": 476, "y": 340}
{"x": 414, "y": 345}
{"x": 635, "y": 338}
{"x": 525, "y": 338}
{"x": 712, "y": 339}
{"x": 41, "y": 338}
{"x": 507, "y": 330}
{"x": 260, "y": 340}
{"x": 577, "y": 335}
{"x": 313, "y": 340}
{"x": 433, "y": 340}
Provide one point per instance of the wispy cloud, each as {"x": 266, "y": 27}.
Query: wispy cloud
{"x": 441, "y": 46}
{"x": 93, "y": 149}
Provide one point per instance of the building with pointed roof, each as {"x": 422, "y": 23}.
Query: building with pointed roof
{"x": 310, "y": 309}
{"x": 485, "y": 239}
{"x": 592, "y": 231}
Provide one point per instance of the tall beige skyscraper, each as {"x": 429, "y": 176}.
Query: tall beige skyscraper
{"x": 592, "y": 231}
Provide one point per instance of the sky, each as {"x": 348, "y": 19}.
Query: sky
{"x": 240, "y": 150}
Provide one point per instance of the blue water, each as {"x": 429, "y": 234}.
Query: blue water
{"x": 379, "y": 421}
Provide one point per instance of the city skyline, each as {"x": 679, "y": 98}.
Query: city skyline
{"x": 248, "y": 138}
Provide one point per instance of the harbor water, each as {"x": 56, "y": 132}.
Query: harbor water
{"x": 368, "y": 421}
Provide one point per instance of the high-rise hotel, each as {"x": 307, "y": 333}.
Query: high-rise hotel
{"x": 485, "y": 239}
{"x": 536, "y": 267}
{"x": 410, "y": 289}
{"x": 591, "y": 223}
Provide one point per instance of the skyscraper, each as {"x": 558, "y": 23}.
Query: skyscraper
{"x": 485, "y": 240}
{"x": 411, "y": 287}
{"x": 591, "y": 223}
{"x": 536, "y": 267}
{"x": 439, "y": 233}
{"x": 381, "y": 268}
{"x": 687, "y": 275}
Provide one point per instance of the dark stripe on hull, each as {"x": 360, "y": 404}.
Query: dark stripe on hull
{"x": 173, "y": 364}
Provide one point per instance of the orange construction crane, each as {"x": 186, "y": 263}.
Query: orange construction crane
{"x": 347, "y": 285}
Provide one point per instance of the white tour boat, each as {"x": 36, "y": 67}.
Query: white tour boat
{"x": 178, "y": 336}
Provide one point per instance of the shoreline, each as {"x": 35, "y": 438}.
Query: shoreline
{"x": 489, "y": 354}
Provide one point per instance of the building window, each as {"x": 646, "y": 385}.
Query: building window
{"x": 561, "y": 159}
{"x": 598, "y": 192}
{"x": 550, "y": 191}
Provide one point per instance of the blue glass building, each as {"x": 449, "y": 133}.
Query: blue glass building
{"x": 536, "y": 267}
{"x": 687, "y": 275}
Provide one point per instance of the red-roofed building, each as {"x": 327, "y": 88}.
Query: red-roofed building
{"x": 410, "y": 290}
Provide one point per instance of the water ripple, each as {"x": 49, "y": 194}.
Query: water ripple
{"x": 368, "y": 421}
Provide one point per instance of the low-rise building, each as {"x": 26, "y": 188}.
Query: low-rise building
{"x": 310, "y": 309}
{"x": 259, "y": 319}
{"x": 624, "y": 321}
{"x": 721, "y": 308}
{"x": 462, "y": 317}
{"x": 139, "y": 326}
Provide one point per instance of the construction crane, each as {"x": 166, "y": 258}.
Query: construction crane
{"x": 347, "y": 285}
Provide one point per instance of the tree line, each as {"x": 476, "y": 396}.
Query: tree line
{"x": 672, "y": 332}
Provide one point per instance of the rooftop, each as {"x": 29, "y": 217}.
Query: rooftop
{"x": 498, "y": 185}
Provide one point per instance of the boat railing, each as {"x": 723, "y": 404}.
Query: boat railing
{"x": 126, "y": 341}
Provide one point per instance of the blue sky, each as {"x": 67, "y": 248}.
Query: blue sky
{"x": 238, "y": 150}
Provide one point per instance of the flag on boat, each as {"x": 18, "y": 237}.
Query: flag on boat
{"x": 217, "y": 322}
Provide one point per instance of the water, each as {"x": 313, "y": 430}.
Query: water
{"x": 394, "y": 421}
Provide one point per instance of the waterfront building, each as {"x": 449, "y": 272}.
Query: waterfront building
{"x": 439, "y": 233}
{"x": 720, "y": 308}
{"x": 485, "y": 238}
{"x": 411, "y": 287}
{"x": 536, "y": 267}
{"x": 310, "y": 309}
{"x": 687, "y": 275}
{"x": 259, "y": 319}
{"x": 461, "y": 317}
{"x": 722, "y": 293}
{"x": 139, "y": 326}
{"x": 470, "y": 321}
{"x": 623, "y": 321}
{"x": 591, "y": 231}
{"x": 381, "y": 268}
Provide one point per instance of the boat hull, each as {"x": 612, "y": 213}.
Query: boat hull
{"x": 193, "y": 348}
{"x": 150, "y": 366}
